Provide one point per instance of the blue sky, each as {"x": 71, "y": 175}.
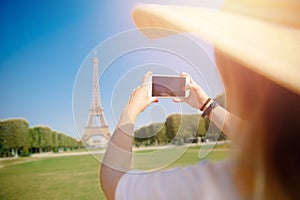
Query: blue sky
{"x": 44, "y": 44}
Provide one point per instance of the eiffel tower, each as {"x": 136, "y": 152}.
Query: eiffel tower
{"x": 96, "y": 112}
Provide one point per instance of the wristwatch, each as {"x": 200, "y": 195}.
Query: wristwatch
{"x": 208, "y": 110}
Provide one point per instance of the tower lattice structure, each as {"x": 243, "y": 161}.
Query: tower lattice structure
{"x": 96, "y": 112}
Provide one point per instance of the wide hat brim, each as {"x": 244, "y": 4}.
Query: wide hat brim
{"x": 269, "y": 49}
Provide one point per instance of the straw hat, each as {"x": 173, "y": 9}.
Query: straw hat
{"x": 263, "y": 35}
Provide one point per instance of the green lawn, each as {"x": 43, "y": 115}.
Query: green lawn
{"x": 71, "y": 177}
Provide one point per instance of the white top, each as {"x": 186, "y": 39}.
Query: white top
{"x": 202, "y": 181}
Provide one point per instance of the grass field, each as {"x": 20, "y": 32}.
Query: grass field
{"x": 71, "y": 177}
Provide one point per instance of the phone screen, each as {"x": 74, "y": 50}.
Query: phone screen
{"x": 164, "y": 86}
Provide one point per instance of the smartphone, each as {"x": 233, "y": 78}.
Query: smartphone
{"x": 168, "y": 86}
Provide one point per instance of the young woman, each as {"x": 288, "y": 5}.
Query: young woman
{"x": 256, "y": 47}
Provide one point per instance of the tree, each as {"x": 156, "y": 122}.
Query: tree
{"x": 201, "y": 132}
{"x": 80, "y": 144}
{"x": 177, "y": 128}
{"x": 45, "y": 138}
{"x": 153, "y": 130}
{"x": 16, "y": 136}
{"x": 161, "y": 137}
{"x": 153, "y": 134}
{"x": 13, "y": 134}
{"x": 34, "y": 140}
{"x": 182, "y": 127}
{"x": 61, "y": 141}
{"x": 190, "y": 125}
{"x": 54, "y": 141}
{"x": 140, "y": 136}
{"x": 172, "y": 125}
{"x": 221, "y": 100}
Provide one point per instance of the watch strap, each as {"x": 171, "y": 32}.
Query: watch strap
{"x": 208, "y": 110}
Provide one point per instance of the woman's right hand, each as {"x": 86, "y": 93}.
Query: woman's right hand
{"x": 197, "y": 95}
{"x": 139, "y": 99}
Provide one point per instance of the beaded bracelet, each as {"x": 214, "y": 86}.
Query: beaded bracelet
{"x": 206, "y": 102}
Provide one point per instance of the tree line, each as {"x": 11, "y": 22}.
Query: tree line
{"x": 179, "y": 129}
{"x": 17, "y": 138}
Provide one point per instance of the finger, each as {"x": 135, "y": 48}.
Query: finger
{"x": 146, "y": 78}
{"x": 187, "y": 75}
{"x": 155, "y": 100}
{"x": 190, "y": 86}
{"x": 152, "y": 100}
{"x": 132, "y": 94}
{"x": 177, "y": 100}
{"x": 133, "y": 91}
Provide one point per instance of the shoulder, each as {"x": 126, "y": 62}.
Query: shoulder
{"x": 177, "y": 183}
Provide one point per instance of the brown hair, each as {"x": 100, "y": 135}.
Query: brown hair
{"x": 281, "y": 139}
{"x": 266, "y": 146}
